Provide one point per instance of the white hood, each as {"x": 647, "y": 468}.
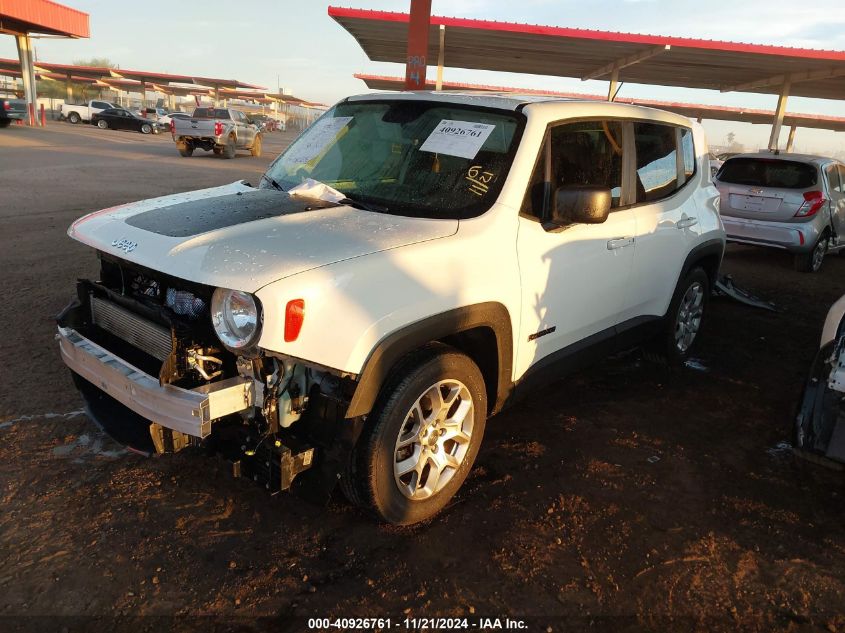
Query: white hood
{"x": 239, "y": 237}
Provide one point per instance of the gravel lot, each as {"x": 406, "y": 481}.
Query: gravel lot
{"x": 625, "y": 497}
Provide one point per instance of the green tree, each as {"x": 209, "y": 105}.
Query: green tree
{"x": 97, "y": 62}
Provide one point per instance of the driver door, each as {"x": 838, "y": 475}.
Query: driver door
{"x": 574, "y": 277}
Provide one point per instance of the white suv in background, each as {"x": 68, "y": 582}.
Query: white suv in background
{"x": 410, "y": 265}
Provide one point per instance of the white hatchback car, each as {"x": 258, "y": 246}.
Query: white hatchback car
{"x": 410, "y": 265}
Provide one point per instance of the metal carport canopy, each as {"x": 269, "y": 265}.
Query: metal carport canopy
{"x": 588, "y": 54}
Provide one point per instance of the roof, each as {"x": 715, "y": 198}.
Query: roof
{"x": 589, "y": 54}
{"x": 42, "y": 16}
{"x": 801, "y": 158}
{"x": 691, "y": 110}
{"x": 546, "y": 105}
{"x": 502, "y": 101}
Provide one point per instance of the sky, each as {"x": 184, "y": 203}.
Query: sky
{"x": 295, "y": 45}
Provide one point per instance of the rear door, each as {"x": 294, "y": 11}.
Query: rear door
{"x": 765, "y": 188}
{"x": 666, "y": 215}
{"x": 837, "y": 203}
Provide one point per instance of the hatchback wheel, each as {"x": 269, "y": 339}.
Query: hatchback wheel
{"x": 811, "y": 262}
{"x": 421, "y": 440}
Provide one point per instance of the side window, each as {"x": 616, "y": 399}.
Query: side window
{"x": 841, "y": 170}
{"x": 657, "y": 161}
{"x": 688, "y": 153}
{"x": 833, "y": 178}
{"x": 583, "y": 153}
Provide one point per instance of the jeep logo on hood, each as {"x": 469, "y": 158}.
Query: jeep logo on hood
{"x": 125, "y": 245}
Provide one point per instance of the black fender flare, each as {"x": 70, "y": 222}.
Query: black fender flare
{"x": 393, "y": 347}
{"x": 710, "y": 248}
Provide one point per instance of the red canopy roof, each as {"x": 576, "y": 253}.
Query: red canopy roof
{"x": 691, "y": 110}
{"x": 588, "y": 54}
{"x": 42, "y": 16}
{"x": 138, "y": 75}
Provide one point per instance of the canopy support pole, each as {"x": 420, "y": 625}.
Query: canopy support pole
{"x": 216, "y": 96}
{"x": 791, "y": 140}
{"x": 28, "y": 75}
{"x": 613, "y": 88}
{"x": 68, "y": 89}
{"x": 441, "y": 54}
{"x": 781, "y": 110}
{"x": 418, "y": 27}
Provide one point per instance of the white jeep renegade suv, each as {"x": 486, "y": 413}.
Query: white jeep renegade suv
{"x": 408, "y": 267}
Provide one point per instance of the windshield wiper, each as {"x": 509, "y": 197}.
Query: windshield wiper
{"x": 366, "y": 206}
{"x": 272, "y": 182}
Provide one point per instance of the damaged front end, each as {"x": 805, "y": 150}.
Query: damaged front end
{"x": 820, "y": 425}
{"x": 155, "y": 376}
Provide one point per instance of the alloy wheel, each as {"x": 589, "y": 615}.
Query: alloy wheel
{"x": 434, "y": 439}
{"x": 688, "y": 320}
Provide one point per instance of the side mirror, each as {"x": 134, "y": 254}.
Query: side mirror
{"x": 581, "y": 204}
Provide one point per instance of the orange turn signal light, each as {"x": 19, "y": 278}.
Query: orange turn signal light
{"x": 294, "y": 318}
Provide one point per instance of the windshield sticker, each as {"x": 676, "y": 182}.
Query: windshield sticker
{"x": 479, "y": 180}
{"x": 457, "y": 138}
{"x": 318, "y": 139}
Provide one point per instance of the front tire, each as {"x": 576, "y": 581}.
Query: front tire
{"x": 102, "y": 124}
{"x": 682, "y": 324}
{"x": 421, "y": 439}
{"x": 812, "y": 262}
{"x": 255, "y": 150}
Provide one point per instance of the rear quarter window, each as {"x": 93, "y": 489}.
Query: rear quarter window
{"x": 768, "y": 172}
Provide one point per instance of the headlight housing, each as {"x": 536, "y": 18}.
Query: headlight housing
{"x": 235, "y": 317}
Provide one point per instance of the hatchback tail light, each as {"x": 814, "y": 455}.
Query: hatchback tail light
{"x": 813, "y": 201}
{"x": 294, "y": 318}
{"x": 218, "y": 128}
{"x": 7, "y": 105}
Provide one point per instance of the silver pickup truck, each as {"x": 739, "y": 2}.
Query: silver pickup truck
{"x": 221, "y": 130}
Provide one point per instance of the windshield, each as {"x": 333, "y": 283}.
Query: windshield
{"x": 768, "y": 172}
{"x": 422, "y": 159}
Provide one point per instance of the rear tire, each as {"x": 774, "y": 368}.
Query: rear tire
{"x": 186, "y": 152}
{"x": 255, "y": 150}
{"x": 5, "y": 123}
{"x": 74, "y": 118}
{"x": 421, "y": 439}
{"x": 682, "y": 324}
{"x": 812, "y": 262}
{"x": 146, "y": 128}
{"x": 229, "y": 148}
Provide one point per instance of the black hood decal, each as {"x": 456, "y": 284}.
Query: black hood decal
{"x": 187, "y": 219}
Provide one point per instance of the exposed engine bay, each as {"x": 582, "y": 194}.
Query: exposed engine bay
{"x": 820, "y": 425}
{"x": 272, "y": 417}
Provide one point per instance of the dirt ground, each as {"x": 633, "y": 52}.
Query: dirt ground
{"x": 625, "y": 497}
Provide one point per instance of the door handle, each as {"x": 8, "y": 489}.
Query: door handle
{"x": 619, "y": 242}
{"x": 685, "y": 223}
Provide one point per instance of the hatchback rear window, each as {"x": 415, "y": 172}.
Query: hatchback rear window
{"x": 768, "y": 172}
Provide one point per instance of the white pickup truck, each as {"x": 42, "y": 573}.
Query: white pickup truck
{"x": 83, "y": 112}
{"x": 409, "y": 266}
